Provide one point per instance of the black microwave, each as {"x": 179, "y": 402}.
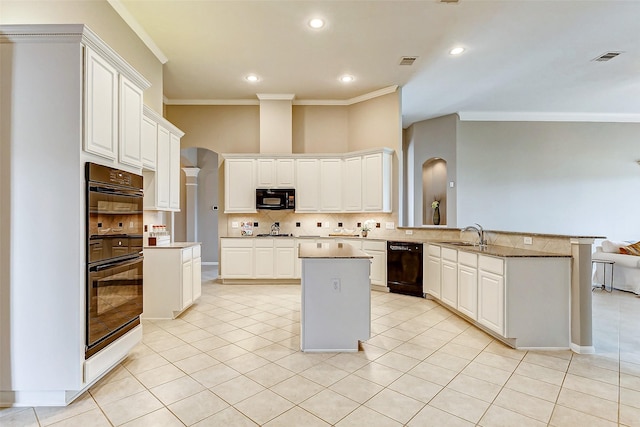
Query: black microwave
{"x": 275, "y": 198}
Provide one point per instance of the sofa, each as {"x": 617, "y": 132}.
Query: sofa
{"x": 626, "y": 270}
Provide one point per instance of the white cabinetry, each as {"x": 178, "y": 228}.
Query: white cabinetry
{"x": 162, "y": 185}
{"x": 284, "y": 257}
{"x": 149, "y": 143}
{"x": 236, "y": 258}
{"x": 275, "y": 173}
{"x": 101, "y": 106}
{"x": 172, "y": 280}
{"x": 376, "y": 182}
{"x": 449, "y": 276}
{"x": 240, "y": 185}
{"x": 468, "y": 284}
{"x": 352, "y": 188}
{"x": 432, "y": 266}
{"x": 330, "y": 185}
{"x": 263, "y": 258}
{"x": 130, "y": 148}
{"x": 307, "y": 185}
{"x": 378, "y": 250}
{"x": 491, "y": 309}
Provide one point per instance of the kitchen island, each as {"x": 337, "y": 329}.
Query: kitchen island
{"x": 335, "y": 310}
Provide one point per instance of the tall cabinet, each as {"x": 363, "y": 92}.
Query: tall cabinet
{"x": 72, "y": 99}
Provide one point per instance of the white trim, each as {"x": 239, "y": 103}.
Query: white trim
{"x": 137, "y": 28}
{"x": 209, "y": 263}
{"x": 275, "y": 96}
{"x": 586, "y": 349}
{"x": 332, "y": 102}
{"x": 511, "y": 116}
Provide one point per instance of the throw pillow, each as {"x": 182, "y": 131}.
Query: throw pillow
{"x": 631, "y": 249}
{"x": 611, "y": 246}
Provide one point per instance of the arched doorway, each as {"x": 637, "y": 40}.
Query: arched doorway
{"x": 434, "y": 187}
{"x": 198, "y": 216}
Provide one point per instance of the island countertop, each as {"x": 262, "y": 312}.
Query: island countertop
{"x": 330, "y": 250}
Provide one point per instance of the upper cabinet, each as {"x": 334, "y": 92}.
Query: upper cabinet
{"x": 113, "y": 100}
{"x": 351, "y": 182}
{"x": 161, "y": 162}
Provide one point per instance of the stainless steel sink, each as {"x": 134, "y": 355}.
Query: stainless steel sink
{"x": 458, "y": 243}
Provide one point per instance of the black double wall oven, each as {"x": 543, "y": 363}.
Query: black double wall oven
{"x": 114, "y": 255}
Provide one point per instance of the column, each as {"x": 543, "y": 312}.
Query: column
{"x": 191, "y": 208}
{"x": 581, "y": 326}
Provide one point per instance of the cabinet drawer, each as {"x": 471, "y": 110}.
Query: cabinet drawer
{"x": 264, "y": 242}
{"x": 196, "y": 251}
{"x": 449, "y": 254}
{"x": 283, "y": 243}
{"x": 469, "y": 259}
{"x": 434, "y": 250}
{"x": 373, "y": 245}
{"x": 493, "y": 265}
{"x": 237, "y": 243}
{"x": 187, "y": 254}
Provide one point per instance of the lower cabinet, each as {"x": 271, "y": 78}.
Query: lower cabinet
{"x": 378, "y": 250}
{"x": 468, "y": 284}
{"x": 172, "y": 280}
{"x": 432, "y": 271}
{"x": 449, "y": 276}
{"x": 491, "y": 294}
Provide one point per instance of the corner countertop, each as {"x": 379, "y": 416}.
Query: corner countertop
{"x": 174, "y": 245}
{"x": 330, "y": 250}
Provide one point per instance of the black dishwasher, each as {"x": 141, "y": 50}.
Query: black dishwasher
{"x": 404, "y": 268}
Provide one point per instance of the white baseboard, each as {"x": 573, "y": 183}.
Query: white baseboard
{"x": 210, "y": 263}
{"x": 583, "y": 349}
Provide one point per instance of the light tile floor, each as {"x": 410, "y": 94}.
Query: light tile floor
{"x": 233, "y": 359}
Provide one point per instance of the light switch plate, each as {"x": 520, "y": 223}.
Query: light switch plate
{"x": 325, "y": 224}
{"x": 528, "y": 240}
{"x": 408, "y": 232}
{"x": 389, "y": 225}
{"x": 235, "y": 224}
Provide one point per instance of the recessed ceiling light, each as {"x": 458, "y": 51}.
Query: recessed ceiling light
{"x": 456, "y": 51}
{"x": 316, "y": 23}
{"x": 346, "y": 78}
{"x": 252, "y": 78}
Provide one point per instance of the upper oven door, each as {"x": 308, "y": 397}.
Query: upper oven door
{"x": 114, "y": 211}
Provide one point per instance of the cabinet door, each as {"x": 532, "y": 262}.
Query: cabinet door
{"x": 174, "y": 174}
{"x": 491, "y": 301}
{"x": 307, "y": 185}
{"x": 468, "y": 291}
{"x": 263, "y": 263}
{"x": 187, "y": 284}
{"x": 449, "y": 287}
{"x": 197, "y": 278}
{"x": 130, "y": 148}
{"x": 163, "y": 168}
{"x": 353, "y": 184}
{"x": 239, "y": 186}
{"x": 285, "y": 262}
{"x": 101, "y": 106}
{"x": 330, "y": 185}
{"x": 432, "y": 276}
{"x": 376, "y": 182}
{"x": 378, "y": 267}
{"x": 237, "y": 263}
{"x": 149, "y": 143}
{"x": 265, "y": 173}
{"x": 285, "y": 173}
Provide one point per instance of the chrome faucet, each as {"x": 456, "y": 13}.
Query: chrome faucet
{"x": 481, "y": 240}
{"x": 275, "y": 228}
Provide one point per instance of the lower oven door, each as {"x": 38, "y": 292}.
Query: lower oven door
{"x": 114, "y": 301}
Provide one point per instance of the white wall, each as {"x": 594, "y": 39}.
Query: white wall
{"x": 564, "y": 178}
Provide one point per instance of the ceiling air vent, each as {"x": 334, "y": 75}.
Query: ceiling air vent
{"x": 408, "y": 60}
{"x": 606, "y": 56}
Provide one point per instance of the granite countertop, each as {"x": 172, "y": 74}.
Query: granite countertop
{"x": 501, "y": 251}
{"x": 174, "y": 245}
{"x": 330, "y": 250}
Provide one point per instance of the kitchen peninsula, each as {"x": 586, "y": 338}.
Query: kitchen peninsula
{"x": 335, "y": 310}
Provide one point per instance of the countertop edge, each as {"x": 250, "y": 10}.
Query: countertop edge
{"x": 174, "y": 245}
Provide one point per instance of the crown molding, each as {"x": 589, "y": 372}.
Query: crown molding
{"x": 275, "y": 96}
{"x": 137, "y": 28}
{"x": 261, "y": 96}
{"x": 511, "y": 116}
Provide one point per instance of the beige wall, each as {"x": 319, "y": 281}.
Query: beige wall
{"x": 376, "y": 123}
{"x": 320, "y": 129}
{"x": 102, "y": 19}
{"x": 219, "y": 128}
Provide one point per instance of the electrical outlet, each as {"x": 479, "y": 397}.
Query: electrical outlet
{"x": 408, "y": 232}
{"x": 389, "y": 225}
{"x": 528, "y": 241}
{"x": 235, "y": 224}
{"x": 325, "y": 224}
{"x": 335, "y": 284}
